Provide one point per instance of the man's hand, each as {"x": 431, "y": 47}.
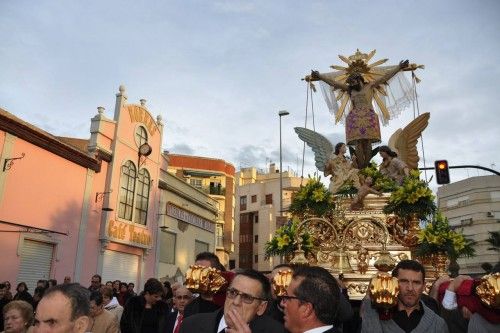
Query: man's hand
{"x": 403, "y": 64}
{"x": 435, "y": 287}
{"x": 238, "y": 325}
{"x": 457, "y": 282}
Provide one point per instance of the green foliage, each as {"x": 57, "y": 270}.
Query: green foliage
{"x": 379, "y": 181}
{"x": 347, "y": 190}
{"x": 313, "y": 199}
{"x": 283, "y": 243}
{"x": 414, "y": 197}
{"x": 437, "y": 236}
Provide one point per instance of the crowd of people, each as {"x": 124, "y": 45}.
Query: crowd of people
{"x": 313, "y": 302}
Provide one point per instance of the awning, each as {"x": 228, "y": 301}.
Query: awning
{"x": 30, "y": 228}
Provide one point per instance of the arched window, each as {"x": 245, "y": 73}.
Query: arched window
{"x": 127, "y": 189}
{"x": 141, "y": 136}
{"x": 142, "y": 197}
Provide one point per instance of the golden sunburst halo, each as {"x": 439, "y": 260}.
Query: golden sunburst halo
{"x": 359, "y": 63}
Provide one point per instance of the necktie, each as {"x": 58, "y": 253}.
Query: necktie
{"x": 179, "y": 322}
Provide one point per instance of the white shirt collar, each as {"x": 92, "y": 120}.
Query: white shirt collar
{"x": 222, "y": 324}
{"x": 319, "y": 329}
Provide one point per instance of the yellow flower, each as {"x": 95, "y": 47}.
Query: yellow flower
{"x": 412, "y": 198}
{"x": 283, "y": 241}
{"x": 414, "y": 173}
{"x": 318, "y": 194}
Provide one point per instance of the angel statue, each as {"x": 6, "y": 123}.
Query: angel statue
{"x": 402, "y": 143}
{"x": 363, "y": 191}
{"x": 401, "y": 155}
{"x": 331, "y": 161}
{"x": 357, "y": 87}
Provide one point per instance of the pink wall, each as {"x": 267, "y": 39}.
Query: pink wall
{"x": 42, "y": 190}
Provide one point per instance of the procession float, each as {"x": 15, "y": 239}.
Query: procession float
{"x": 371, "y": 216}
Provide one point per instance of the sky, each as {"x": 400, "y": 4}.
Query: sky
{"x": 218, "y": 72}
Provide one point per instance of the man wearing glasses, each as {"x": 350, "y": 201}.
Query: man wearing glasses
{"x": 246, "y": 302}
{"x": 182, "y": 297}
{"x": 311, "y": 302}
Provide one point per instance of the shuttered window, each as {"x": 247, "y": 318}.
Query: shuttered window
{"x": 120, "y": 266}
{"x": 36, "y": 261}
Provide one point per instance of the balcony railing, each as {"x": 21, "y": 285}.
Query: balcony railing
{"x": 214, "y": 190}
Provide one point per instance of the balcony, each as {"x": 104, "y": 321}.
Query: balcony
{"x": 214, "y": 190}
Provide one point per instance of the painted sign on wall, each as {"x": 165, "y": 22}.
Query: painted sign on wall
{"x": 129, "y": 234}
{"x": 188, "y": 217}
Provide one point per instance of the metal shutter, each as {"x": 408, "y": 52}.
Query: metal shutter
{"x": 120, "y": 266}
{"x": 36, "y": 261}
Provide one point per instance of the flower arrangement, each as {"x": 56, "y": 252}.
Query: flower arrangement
{"x": 413, "y": 198}
{"x": 437, "y": 236}
{"x": 380, "y": 182}
{"x": 283, "y": 242}
{"x": 313, "y": 199}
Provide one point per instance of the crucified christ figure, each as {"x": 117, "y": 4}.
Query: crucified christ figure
{"x": 362, "y": 123}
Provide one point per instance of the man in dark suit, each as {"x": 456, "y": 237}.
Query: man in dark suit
{"x": 182, "y": 297}
{"x": 243, "y": 312}
{"x": 312, "y": 301}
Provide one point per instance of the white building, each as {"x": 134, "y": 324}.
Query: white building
{"x": 473, "y": 205}
{"x": 257, "y": 213}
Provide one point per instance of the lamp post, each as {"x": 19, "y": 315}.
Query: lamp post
{"x": 281, "y": 114}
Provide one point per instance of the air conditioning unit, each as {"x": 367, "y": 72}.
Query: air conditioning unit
{"x": 465, "y": 222}
{"x": 490, "y": 214}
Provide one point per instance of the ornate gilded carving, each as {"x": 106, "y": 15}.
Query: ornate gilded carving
{"x": 357, "y": 289}
{"x": 405, "y": 232}
{"x": 355, "y": 243}
{"x": 488, "y": 290}
{"x": 362, "y": 257}
{"x": 365, "y": 231}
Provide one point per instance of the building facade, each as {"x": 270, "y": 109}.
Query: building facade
{"x": 188, "y": 217}
{"x": 473, "y": 205}
{"x": 214, "y": 177}
{"x": 258, "y": 213}
{"x": 77, "y": 207}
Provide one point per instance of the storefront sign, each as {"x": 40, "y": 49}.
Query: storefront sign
{"x": 139, "y": 115}
{"x": 188, "y": 217}
{"x": 129, "y": 234}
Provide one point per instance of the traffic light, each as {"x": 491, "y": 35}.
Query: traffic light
{"x": 442, "y": 172}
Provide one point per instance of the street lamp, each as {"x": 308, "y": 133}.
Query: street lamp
{"x": 281, "y": 114}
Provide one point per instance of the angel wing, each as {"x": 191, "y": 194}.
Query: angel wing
{"x": 404, "y": 141}
{"x": 321, "y": 146}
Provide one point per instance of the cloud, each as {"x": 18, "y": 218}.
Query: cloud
{"x": 181, "y": 148}
{"x": 251, "y": 155}
{"x": 219, "y": 71}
